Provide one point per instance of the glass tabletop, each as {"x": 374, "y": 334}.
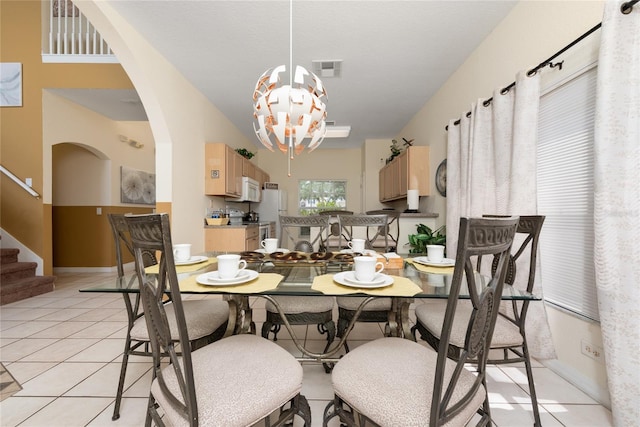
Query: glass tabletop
{"x": 300, "y": 269}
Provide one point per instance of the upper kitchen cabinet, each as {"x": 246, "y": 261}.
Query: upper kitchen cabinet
{"x": 223, "y": 170}
{"x": 409, "y": 170}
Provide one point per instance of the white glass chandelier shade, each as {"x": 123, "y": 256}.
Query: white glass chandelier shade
{"x": 286, "y": 115}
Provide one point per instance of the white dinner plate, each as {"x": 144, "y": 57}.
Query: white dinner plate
{"x": 366, "y": 252}
{"x": 213, "y": 279}
{"x": 193, "y": 260}
{"x": 445, "y": 262}
{"x": 347, "y": 278}
{"x": 264, "y": 251}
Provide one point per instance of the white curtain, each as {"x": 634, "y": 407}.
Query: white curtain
{"x": 617, "y": 207}
{"x": 491, "y": 169}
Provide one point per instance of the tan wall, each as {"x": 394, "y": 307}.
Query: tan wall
{"x": 83, "y": 238}
{"x": 21, "y": 151}
{"x": 319, "y": 164}
{"x": 531, "y": 33}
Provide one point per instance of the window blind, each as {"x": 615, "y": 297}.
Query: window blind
{"x": 565, "y": 194}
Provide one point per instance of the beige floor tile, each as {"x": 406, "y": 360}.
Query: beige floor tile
{"x": 102, "y": 351}
{"x": 60, "y": 350}
{"x": 14, "y": 410}
{"x": 68, "y": 412}
{"x": 58, "y": 379}
{"x": 10, "y": 313}
{"x": 550, "y": 387}
{"x": 102, "y": 313}
{"x": 28, "y": 329}
{"x": 8, "y": 324}
{"x": 316, "y": 383}
{"x": 581, "y": 415}
{"x": 502, "y": 389}
{"x": 132, "y": 414}
{"x": 23, "y": 348}
{"x": 62, "y": 330}
{"x": 142, "y": 384}
{"x": 104, "y": 382}
{"x": 24, "y": 371}
{"x": 100, "y": 330}
{"x": 66, "y": 314}
{"x": 519, "y": 415}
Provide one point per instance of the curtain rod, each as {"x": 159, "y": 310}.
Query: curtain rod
{"x": 625, "y": 8}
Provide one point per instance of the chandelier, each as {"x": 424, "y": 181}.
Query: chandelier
{"x": 288, "y": 114}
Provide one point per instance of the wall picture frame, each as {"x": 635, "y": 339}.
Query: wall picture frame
{"x": 137, "y": 187}
{"x": 10, "y": 84}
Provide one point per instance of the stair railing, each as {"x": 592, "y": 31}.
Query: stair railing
{"x": 18, "y": 181}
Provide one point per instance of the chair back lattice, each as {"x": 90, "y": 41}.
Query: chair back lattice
{"x": 291, "y": 228}
{"x": 152, "y": 233}
{"x": 332, "y": 242}
{"x": 392, "y": 230}
{"x": 378, "y": 223}
{"x": 478, "y": 237}
{"x": 523, "y": 258}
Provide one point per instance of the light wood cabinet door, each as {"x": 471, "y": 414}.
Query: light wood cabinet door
{"x": 231, "y": 239}
{"x": 409, "y": 170}
{"x": 223, "y": 170}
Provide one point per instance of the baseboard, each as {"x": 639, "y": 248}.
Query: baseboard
{"x": 584, "y": 383}
{"x": 127, "y": 267}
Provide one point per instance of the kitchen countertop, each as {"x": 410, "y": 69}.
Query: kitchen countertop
{"x": 419, "y": 215}
{"x": 244, "y": 224}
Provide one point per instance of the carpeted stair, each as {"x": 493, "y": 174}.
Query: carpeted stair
{"x": 18, "y": 280}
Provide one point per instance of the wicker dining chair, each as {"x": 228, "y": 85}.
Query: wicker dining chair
{"x": 300, "y": 310}
{"x": 509, "y": 343}
{"x": 206, "y": 319}
{"x": 236, "y": 381}
{"x": 396, "y": 381}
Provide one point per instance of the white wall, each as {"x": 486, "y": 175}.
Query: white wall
{"x": 531, "y": 33}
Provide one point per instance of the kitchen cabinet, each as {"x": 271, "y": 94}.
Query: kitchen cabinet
{"x": 249, "y": 169}
{"x": 409, "y": 170}
{"x": 231, "y": 239}
{"x": 223, "y": 170}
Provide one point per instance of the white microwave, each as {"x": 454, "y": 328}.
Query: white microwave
{"x": 250, "y": 190}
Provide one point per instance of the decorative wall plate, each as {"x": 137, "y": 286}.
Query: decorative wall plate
{"x": 441, "y": 178}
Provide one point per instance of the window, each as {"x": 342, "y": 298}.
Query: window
{"x": 565, "y": 194}
{"x": 315, "y": 196}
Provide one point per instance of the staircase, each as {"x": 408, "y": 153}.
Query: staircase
{"x": 18, "y": 280}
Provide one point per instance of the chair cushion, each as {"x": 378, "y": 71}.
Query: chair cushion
{"x": 431, "y": 315}
{"x": 202, "y": 318}
{"x": 390, "y": 380}
{"x": 238, "y": 381}
{"x": 352, "y": 303}
{"x": 297, "y": 305}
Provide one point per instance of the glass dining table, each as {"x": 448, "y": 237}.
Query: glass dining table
{"x": 270, "y": 276}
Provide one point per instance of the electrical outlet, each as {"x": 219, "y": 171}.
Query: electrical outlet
{"x": 591, "y": 350}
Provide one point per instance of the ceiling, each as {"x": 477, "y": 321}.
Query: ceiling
{"x": 395, "y": 54}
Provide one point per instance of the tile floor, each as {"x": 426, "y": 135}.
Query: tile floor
{"x": 65, "y": 348}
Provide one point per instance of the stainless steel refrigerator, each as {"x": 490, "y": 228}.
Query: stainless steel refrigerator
{"x": 273, "y": 204}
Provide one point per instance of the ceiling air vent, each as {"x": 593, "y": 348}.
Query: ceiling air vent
{"x": 328, "y": 68}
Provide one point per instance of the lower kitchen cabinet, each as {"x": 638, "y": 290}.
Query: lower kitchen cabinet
{"x": 231, "y": 238}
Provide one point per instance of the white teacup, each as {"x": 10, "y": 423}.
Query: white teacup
{"x": 230, "y": 265}
{"x": 366, "y": 268}
{"x": 356, "y": 245}
{"x": 435, "y": 253}
{"x": 182, "y": 252}
{"x": 269, "y": 245}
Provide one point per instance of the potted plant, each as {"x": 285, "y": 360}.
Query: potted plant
{"x": 425, "y": 236}
{"x": 245, "y": 153}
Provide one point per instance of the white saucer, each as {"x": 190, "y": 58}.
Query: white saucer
{"x": 347, "y": 278}
{"x": 365, "y": 252}
{"x": 213, "y": 279}
{"x": 264, "y": 251}
{"x": 193, "y": 260}
{"x": 445, "y": 262}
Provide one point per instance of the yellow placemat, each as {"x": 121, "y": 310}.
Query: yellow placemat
{"x": 153, "y": 269}
{"x": 428, "y": 269}
{"x": 264, "y": 282}
{"x": 401, "y": 287}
